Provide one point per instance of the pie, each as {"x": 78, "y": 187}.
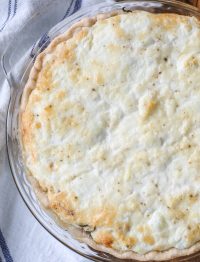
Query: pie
{"x": 110, "y": 132}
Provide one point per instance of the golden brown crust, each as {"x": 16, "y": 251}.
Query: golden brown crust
{"x": 59, "y": 203}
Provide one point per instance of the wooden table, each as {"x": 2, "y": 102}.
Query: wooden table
{"x": 192, "y": 2}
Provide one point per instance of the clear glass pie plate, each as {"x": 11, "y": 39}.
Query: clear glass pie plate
{"x": 17, "y": 76}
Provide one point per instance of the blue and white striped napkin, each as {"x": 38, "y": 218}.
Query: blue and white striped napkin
{"x": 22, "y": 238}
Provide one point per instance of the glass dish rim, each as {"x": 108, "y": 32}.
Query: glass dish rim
{"x": 169, "y": 2}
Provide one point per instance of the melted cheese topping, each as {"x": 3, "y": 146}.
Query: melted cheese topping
{"x": 111, "y": 131}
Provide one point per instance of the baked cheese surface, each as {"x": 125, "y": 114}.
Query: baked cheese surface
{"x": 111, "y": 131}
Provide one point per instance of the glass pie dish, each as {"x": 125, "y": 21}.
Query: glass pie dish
{"x": 17, "y": 77}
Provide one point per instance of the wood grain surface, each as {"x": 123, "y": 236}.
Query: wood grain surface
{"x": 192, "y": 2}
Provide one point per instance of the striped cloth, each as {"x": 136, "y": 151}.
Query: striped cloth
{"x": 22, "y": 238}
